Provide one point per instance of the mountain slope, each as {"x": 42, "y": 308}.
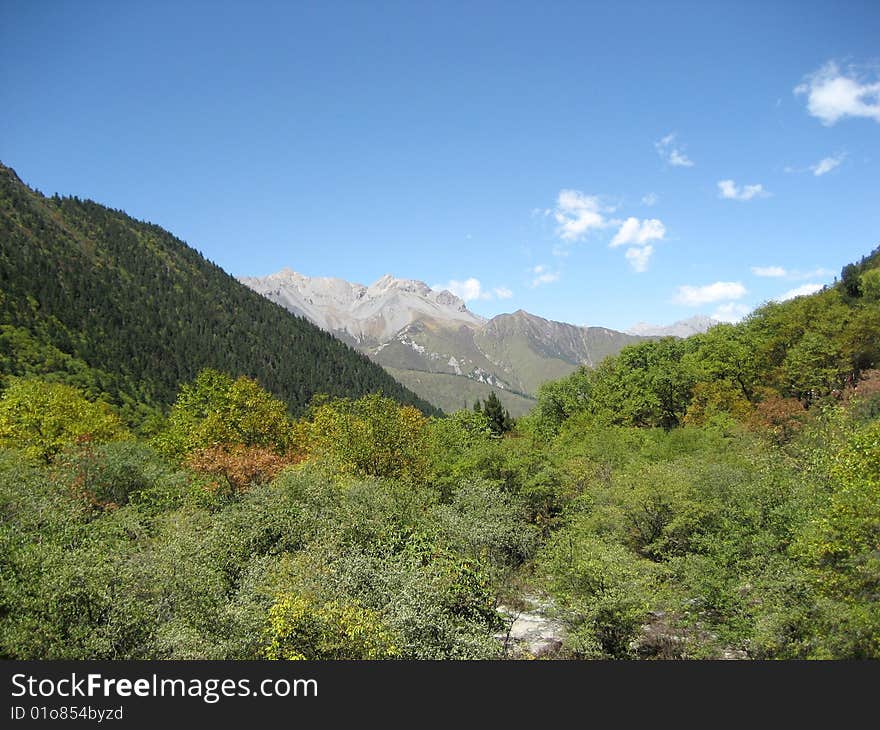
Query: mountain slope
{"x": 453, "y": 392}
{"x": 532, "y": 350}
{"x": 92, "y": 296}
{"x": 450, "y": 354}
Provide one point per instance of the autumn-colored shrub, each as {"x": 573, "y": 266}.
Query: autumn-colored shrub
{"x": 111, "y": 475}
{"x": 42, "y": 418}
{"x": 372, "y": 436}
{"x": 238, "y": 466}
{"x": 863, "y": 400}
{"x": 780, "y": 418}
{"x": 215, "y": 410}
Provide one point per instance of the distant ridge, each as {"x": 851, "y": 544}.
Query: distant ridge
{"x": 683, "y": 328}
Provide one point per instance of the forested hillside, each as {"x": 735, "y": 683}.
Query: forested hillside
{"x": 783, "y": 359}
{"x": 121, "y": 308}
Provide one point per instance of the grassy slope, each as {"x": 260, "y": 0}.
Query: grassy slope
{"x": 453, "y": 392}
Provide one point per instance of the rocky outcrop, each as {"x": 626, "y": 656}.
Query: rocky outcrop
{"x": 533, "y": 632}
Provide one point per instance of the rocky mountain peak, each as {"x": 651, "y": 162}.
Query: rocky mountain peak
{"x": 388, "y": 283}
{"x": 447, "y": 299}
{"x": 367, "y": 315}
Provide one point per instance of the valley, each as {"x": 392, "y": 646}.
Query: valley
{"x": 433, "y": 344}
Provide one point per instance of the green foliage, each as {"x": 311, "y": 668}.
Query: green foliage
{"x": 604, "y": 586}
{"x": 450, "y": 441}
{"x": 484, "y": 522}
{"x": 869, "y": 284}
{"x": 42, "y": 418}
{"x": 663, "y": 513}
{"x": 559, "y": 400}
{"x": 840, "y": 546}
{"x": 497, "y": 416}
{"x": 369, "y": 437}
{"x": 216, "y": 410}
{"x": 644, "y": 385}
{"x": 67, "y": 587}
{"x": 113, "y": 474}
{"x": 813, "y": 366}
{"x": 728, "y": 354}
{"x": 298, "y": 629}
{"x": 850, "y": 281}
{"x": 713, "y": 400}
{"x": 807, "y": 348}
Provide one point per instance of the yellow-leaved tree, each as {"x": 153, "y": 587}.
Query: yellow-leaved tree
{"x": 41, "y": 418}
{"x": 372, "y": 436}
{"x": 299, "y": 628}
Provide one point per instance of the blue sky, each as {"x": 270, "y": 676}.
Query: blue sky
{"x": 594, "y": 163}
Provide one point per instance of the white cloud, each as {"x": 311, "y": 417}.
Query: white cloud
{"x": 811, "y": 274}
{"x": 827, "y": 164}
{"x": 672, "y": 153}
{"x": 638, "y": 233}
{"x": 694, "y": 296}
{"x": 730, "y": 312}
{"x": 469, "y": 289}
{"x": 795, "y": 274}
{"x": 678, "y": 159}
{"x": 833, "y": 95}
{"x": 774, "y": 271}
{"x": 650, "y": 199}
{"x": 502, "y": 292}
{"x": 577, "y": 214}
{"x": 543, "y": 275}
{"x": 729, "y": 190}
{"x": 638, "y": 257}
{"x": 800, "y": 291}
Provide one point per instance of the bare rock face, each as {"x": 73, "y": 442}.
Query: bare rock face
{"x": 532, "y": 633}
{"x": 370, "y": 315}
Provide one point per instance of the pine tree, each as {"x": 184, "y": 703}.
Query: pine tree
{"x": 499, "y": 417}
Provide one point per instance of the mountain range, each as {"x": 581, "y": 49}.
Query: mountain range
{"x": 432, "y": 343}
